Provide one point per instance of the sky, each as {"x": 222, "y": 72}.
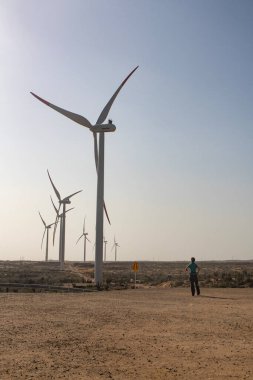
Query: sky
{"x": 178, "y": 168}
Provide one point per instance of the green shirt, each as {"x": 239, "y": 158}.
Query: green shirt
{"x": 192, "y": 266}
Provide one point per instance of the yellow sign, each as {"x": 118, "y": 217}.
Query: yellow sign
{"x": 135, "y": 266}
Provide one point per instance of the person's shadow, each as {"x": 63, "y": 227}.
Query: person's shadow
{"x": 220, "y": 298}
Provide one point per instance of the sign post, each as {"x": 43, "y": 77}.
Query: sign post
{"x": 135, "y": 268}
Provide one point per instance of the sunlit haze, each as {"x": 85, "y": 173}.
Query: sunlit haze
{"x": 178, "y": 169}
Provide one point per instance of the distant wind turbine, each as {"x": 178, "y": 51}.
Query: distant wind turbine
{"x": 62, "y": 202}
{"x": 96, "y": 128}
{"x": 115, "y": 246}
{"x": 105, "y": 242}
{"x": 84, "y": 235}
{"x": 59, "y": 216}
{"x": 47, "y": 228}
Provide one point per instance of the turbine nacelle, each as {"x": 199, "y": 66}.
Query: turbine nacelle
{"x": 65, "y": 201}
{"x": 103, "y": 128}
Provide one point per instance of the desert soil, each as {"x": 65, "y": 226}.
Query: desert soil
{"x": 128, "y": 334}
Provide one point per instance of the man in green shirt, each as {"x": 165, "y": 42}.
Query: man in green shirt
{"x": 194, "y": 269}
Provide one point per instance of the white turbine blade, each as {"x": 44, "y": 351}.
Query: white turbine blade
{"x": 107, "y": 108}
{"x": 106, "y": 213}
{"x": 112, "y": 247}
{"x": 55, "y": 227}
{"x": 79, "y": 238}
{"x": 56, "y": 219}
{"x": 56, "y": 210}
{"x": 43, "y": 237}
{"x": 73, "y": 116}
{"x": 72, "y": 208}
{"x": 84, "y": 226}
{"x": 87, "y": 239}
{"x": 42, "y": 219}
{"x": 70, "y": 196}
{"x": 55, "y": 190}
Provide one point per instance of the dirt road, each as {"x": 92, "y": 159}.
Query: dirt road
{"x": 130, "y": 334}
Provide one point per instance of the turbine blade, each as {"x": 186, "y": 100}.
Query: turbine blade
{"x": 107, "y": 108}
{"x": 87, "y": 239}
{"x": 43, "y": 237}
{"x": 56, "y": 210}
{"x": 79, "y": 239}
{"x": 71, "y": 195}
{"x": 55, "y": 227}
{"x": 112, "y": 247}
{"x": 56, "y": 219}
{"x": 72, "y": 208}
{"x": 84, "y": 226}
{"x": 73, "y": 116}
{"x": 106, "y": 213}
{"x": 55, "y": 190}
{"x": 42, "y": 219}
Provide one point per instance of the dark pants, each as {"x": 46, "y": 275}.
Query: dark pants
{"x": 194, "y": 283}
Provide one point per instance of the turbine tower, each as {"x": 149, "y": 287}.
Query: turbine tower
{"x": 97, "y": 128}
{"x": 115, "y": 246}
{"x": 84, "y": 234}
{"x": 105, "y": 242}
{"x": 47, "y": 228}
{"x": 62, "y": 202}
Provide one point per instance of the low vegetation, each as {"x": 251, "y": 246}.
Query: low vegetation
{"x": 221, "y": 274}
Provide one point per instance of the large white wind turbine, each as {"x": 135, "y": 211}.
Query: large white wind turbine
{"x": 47, "y": 228}
{"x": 100, "y": 128}
{"x": 115, "y": 246}
{"x": 62, "y": 202}
{"x": 84, "y": 235}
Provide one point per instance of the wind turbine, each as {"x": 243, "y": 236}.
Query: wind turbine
{"x": 84, "y": 234}
{"x": 115, "y": 246}
{"x": 47, "y": 228}
{"x": 59, "y": 216}
{"x": 105, "y": 242}
{"x": 62, "y": 202}
{"x": 100, "y": 128}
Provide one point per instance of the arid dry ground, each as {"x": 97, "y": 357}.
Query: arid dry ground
{"x": 155, "y": 333}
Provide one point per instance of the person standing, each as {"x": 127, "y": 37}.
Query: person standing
{"x": 194, "y": 269}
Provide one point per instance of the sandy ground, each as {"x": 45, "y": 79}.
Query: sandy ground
{"x": 129, "y": 334}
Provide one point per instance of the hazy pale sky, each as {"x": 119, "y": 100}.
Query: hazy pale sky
{"x": 178, "y": 169}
